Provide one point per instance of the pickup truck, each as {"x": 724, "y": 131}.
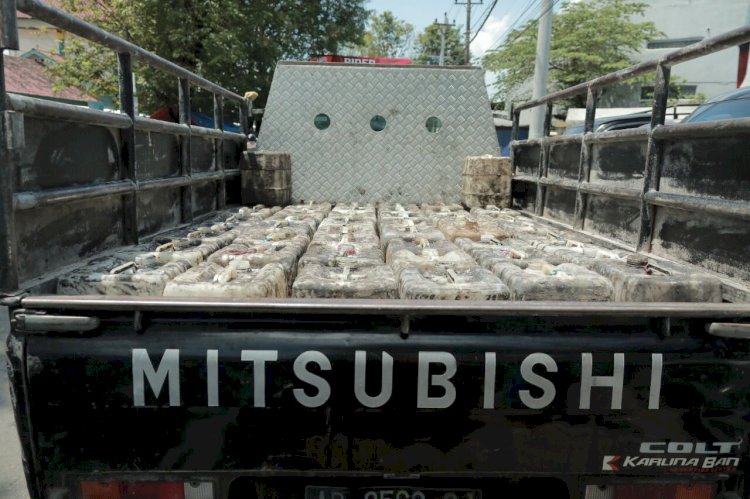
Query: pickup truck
{"x": 138, "y": 388}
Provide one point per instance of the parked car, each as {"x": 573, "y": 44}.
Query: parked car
{"x": 611, "y": 123}
{"x": 734, "y": 104}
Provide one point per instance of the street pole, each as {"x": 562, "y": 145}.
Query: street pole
{"x": 443, "y": 26}
{"x": 442, "y": 44}
{"x": 467, "y": 34}
{"x": 544, "y": 36}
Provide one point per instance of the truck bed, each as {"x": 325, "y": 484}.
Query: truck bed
{"x": 388, "y": 251}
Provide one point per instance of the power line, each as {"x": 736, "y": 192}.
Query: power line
{"x": 505, "y": 9}
{"x": 528, "y": 7}
{"x": 551, "y": 7}
{"x": 487, "y": 16}
{"x": 518, "y": 21}
{"x": 450, "y": 11}
{"x": 479, "y": 18}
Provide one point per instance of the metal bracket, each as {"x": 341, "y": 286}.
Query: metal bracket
{"x": 29, "y": 321}
{"x": 11, "y": 301}
{"x": 138, "y": 321}
{"x": 405, "y": 326}
{"x": 729, "y": 330}
{"x": 15, "y": 138}
{"x": 666, "y": 327}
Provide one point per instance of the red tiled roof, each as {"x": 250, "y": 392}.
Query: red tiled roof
{"x": 52, "y": 3}
{"x": 26, "y": 76}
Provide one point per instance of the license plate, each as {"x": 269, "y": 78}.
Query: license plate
{"x": 314, "y": 492}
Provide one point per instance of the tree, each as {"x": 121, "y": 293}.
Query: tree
{"x": 428, "y": 46}
{"x": 386, "y": 36}
{"x": 235, "y": 43}
{"x": 589, "y": 39}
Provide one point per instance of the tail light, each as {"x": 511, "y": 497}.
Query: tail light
{"x": 650, "y": 491}
{"x": 146, "y": 490}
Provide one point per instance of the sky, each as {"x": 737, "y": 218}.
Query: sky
{"x": 505, "y": 15}
{"x": 421, "y": 13}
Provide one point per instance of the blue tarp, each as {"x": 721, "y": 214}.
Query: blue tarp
{"x": 204, "y": 120}
{"x": 196, "y": 118}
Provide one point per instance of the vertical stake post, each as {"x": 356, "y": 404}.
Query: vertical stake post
{"x": 8, "y": 241}
{"x": 185, "y": 150}
{"x": 219, "y": 151}
{"x": 654, "y": 150}
{"x": 544, "y": 151}
{"x": 584, "y": 165}
{"x": 127, "y": 149}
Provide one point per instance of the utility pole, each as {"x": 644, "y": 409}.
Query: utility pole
{"x": 443, "y": 26}
{"x": 467, "y": 34}
{"x": 544, "y": 35}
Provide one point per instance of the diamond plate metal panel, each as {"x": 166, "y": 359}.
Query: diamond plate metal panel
{"x": 348, "y": 161}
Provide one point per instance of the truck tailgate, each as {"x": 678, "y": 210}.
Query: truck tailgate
{"x": 381, "y": 388}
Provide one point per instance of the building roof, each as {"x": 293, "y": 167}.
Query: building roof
{"x": 42, "y": 56}
{"x": 26, "y": 76}
{"x": 52, "y": 3}
{"x": 57, "y": 4}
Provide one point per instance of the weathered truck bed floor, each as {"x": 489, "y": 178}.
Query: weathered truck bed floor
{"x": 385, "y": 251}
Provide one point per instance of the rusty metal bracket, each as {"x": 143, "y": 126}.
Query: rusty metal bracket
{"x": 12, "y": 301}
{"x": 405, "y": 326}
{"x": 729, "y": 330}
{"x": 15, "y": 138}
{"x": 31, "y": 321}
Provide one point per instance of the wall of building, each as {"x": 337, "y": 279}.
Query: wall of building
{"x": 685, "y": 21}
{"x": 35, "y": 34}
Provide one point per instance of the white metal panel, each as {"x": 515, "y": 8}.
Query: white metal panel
{"x": 348, "y": 161}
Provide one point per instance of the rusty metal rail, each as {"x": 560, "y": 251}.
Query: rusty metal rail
{"x": 72, "y": 24}
{"x": 705, "y": 47}
{"x": 124, "y": 125}
{"x": 403, "y": 308}
{"x": 648, "y": 196}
